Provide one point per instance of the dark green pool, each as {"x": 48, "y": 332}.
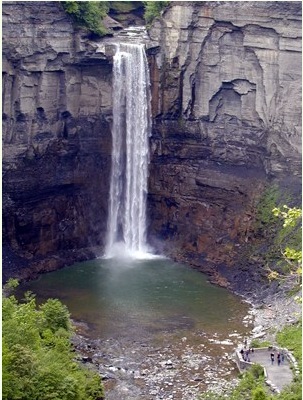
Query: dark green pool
{"x": 141, "y": 297}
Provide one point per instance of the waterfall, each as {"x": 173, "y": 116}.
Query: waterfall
{"x": 130, "y": 152}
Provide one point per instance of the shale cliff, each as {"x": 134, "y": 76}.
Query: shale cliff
{"x": 226, "y": 98}
{"x": 226, "y": 104}
{"x": 57, "y": 112}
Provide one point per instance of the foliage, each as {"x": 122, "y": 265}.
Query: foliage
{"x": 291, "y": 338}
{"x": 289, "y": 215}
{"x": 250, "y": 381}
{"x": 37, "y": 359}
{"x": 265, "y": 219}
{"x": 292, "y": 392}
{"x": 280, "y": 226}
{"x": 124, "y": 6}
{"x": 289, "y": 240}
{"x": 153, "y": 9}
{"x": 88, "y": 14}
{"x": 251, "y": 386}
{"x": 257, "y": 343}
{"x": 258, "y": 393}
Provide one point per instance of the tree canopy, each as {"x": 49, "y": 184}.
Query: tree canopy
{"x": 37, "y": 359}
{"x": 88, "y": 14}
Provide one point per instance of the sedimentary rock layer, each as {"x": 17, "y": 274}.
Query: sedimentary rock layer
{"x": 226, "y": 104}
{"x": 226, "y": 100}
{"x": 57, "y": 113}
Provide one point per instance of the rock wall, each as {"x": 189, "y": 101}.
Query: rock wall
{"x": 226, "y": 84}
{"x": 226, "y": 103}
{"x": 56, "y": 138}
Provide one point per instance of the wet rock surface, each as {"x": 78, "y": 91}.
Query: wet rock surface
{"x": 172, "y": 368}
{"x": 182, "y": 367}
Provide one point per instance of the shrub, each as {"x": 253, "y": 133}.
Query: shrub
{"x": 37, "y": 360}
{"x": 258, "y": 394}
{"x": 153, "y": 9}
{"x": 291, "y": 338}
{"x": 257, "y": 343}
{"x": 56, "y": 315}
{"x": 88, "y": 14}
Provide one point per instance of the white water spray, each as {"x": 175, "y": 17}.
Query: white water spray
{"x": 130, "y": 153}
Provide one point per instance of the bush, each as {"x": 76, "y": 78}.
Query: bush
{"x": 257, "y": 343}
{"x": 37, "y": 359}
{"x": 153, "y": 9}
{"x": 88, "y": 14}
{"x": 56, "y": 315}
{"x": 258, "y": 394}
{"x": 291, "y": 338}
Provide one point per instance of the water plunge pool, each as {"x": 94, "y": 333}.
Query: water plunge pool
{"x": 154, "y": 327}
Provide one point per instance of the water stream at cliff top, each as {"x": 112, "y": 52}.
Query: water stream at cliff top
{"x": 130, "y": 152}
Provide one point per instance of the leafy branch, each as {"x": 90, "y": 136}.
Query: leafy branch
{"x": 88, "y": 14}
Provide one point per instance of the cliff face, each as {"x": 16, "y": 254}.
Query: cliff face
{"x": 56, "y": 138}
{"x": 227, "y": 110}
{"x": 226, "y": 87}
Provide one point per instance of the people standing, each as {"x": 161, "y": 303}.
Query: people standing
{"x": 272, "y": 357}
{"x": 279, "y": 358}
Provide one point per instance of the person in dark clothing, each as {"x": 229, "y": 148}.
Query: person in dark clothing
{"x": 272, "y": 357}
{"x": 242, "y": 353}
{"x": 279, "y": 358}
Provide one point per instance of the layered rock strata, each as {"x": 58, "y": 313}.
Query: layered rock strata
{"x": 226, "y": 102}
{"x": 226, "y": 84}
{"x": 57, "y": 113}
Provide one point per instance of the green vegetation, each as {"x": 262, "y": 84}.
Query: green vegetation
{"x": 291, "y": 237}
{"x": 88, "y": 14}
{"x": 124, "y": 6}
{"x": 291, "y": 338}
{"x": 257, "y": 343}
{"x": 153, "y": 9}
{"x": 250, "y": 387}
{"x": 37, "y": 359}
{"x": 265, "y": 220}
{"x": 287, "y": 245}
{"x": 280, "y": 226}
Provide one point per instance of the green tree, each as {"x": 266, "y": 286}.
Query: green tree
{"x": 153, "y": 9}
{"x": 37, "y": 360}
{"x": 88, "y": 14}
{"x": 258, "y": 394}
{"x": 289, "y": 240}
{"x": 56, "y": 315}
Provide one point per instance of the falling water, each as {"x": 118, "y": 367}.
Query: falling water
{"x": 130, "y": 153}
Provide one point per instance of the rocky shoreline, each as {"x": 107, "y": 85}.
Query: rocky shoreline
{"x": 275, "y": 310}
{"x": 139, "y": 370}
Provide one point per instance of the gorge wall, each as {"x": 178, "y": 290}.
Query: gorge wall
{"x": 227, "y": 122}
{"x": 57, "y": 112}
{"x": 226, "y": 103}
